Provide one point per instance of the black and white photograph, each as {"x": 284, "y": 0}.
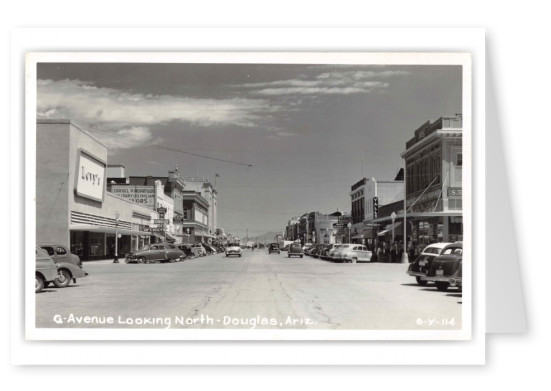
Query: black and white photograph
{"x": 250, "y": 196}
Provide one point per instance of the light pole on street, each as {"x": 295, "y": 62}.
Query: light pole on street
{"x": 349, "y": 228}
{"x": 393, "y": 217}
{"x": 116, "y": 258}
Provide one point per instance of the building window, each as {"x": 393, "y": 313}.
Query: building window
{"x": 459, "y": 161}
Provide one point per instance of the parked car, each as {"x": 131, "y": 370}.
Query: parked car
{"x": 352, "y": 253}
{"x": 446, "y": 268}
{"x": 45, "y": 269}
{"x": 209, "y": 249}
{"x": 198, "y": 249}
{"x": 331, "y": 251}
{"x": 186, "y": 249}
{"x": 295, "y": 250}
{"x": 324, "y": 253}
{"x": 422, "y": 263}
{"x": 274, "y": 248}
{"x": 316, "y": 251}
{"x": 69, "y": 266}
{"x": 306, "y": 247}
{"x": 233, "y": 250}
{"x": 158, "y": 252}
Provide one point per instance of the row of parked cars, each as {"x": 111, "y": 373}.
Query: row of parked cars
{"x": 441, "y": 264}
{"x": 55, "y": 265}
{"x": 170, "y": 252}
{"x": 346, "y": 253}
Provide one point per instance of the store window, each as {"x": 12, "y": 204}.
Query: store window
{"x": 77, "y": 243}
{"x": 97, "y": 244}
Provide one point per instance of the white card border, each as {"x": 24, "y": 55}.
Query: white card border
{"x": 475, "y": 37}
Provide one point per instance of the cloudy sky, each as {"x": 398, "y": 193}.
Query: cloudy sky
{"x": 284, "y": 139}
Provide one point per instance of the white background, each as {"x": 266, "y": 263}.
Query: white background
{"x": 517, "y": 39}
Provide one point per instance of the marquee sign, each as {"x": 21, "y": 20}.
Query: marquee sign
{"x": 143, "y": 195}
{"x": 90, "y": 176}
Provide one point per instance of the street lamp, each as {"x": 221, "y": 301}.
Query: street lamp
{"x": 117, "y": 215}
{"x": 349, "y": 228}
{"x": 393, "y": 217}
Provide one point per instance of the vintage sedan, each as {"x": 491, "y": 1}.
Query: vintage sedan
{"x": 69, "y": 266}
{"x": 446, "y": 269}
{"x": 273, "y": 248}
{"x": 422, "y": 263}
{"x": 158, "y": 252}
{"x": 352, "y": 253}
{"x": 295, "y": 249}
{"x": 233, "y": 250}
{"x": 45, "y": 269}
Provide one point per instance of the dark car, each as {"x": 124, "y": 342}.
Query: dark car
{"x": 274, "y": 248}
{"x": 421, "y": 265}
{"x": 158, "y": 252}
{"x": 295, "y": 249}
{"x": 186, "y": 249}
{"x": 324, "y": 252}
{"x": 316, "y": 251}
{"x": 69, "y": 265}
{"x": 446, "y": 269}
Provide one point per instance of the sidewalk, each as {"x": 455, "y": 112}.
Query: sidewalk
{"x": 102, "y": 261}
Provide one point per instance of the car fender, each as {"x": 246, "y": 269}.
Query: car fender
{"x": 76, "y": 272}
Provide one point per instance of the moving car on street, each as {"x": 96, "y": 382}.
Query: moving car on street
{"x": 45, "y": 269}
{"x": 158, "y": 252}
{"x": 446, "y": 269}
{"x": 69, "y": 266}
{"x": 274, "y": 248}
{"x": 233, "y": 249}
{"x": 295, "y": 250}
{"x": 422, "y": 264}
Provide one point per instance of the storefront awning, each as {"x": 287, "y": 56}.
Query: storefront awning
{"x": 107, "y": 230}
{"x": 388, "y": 229}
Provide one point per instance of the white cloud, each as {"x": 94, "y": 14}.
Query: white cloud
{"x": 114, "y": 108}
{"x": 328, "y": 83}
{"x": 127, "y": 137}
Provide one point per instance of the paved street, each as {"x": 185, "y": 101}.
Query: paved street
{"x": 258, "y": 290}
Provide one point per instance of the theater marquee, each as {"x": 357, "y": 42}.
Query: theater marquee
{"x": 90, "y": 177}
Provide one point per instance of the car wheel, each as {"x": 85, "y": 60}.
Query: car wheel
{"x": 141, "y": 260}
{"x": 442, "y": 285}
{"x": 354, "y": 260}
{"x": 39, "y": 284}
{"x": 126, "y": 260}
{"x": 301, "y": 256}
{"x": 421, "y": 282}
{"x": 63, "y": 279}
{"x": 46, "y": 284}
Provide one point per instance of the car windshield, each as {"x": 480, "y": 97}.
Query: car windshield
{"x": 432, "y": 250}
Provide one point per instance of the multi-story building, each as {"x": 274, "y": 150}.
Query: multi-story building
{"x": 73, "y": 206}
{"x": 366, "y": 197}
{"x": 434, "y": 162}
{"x": 204, "y": 188}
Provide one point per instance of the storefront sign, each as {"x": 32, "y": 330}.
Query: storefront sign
{"x": 455, "y": 192}
{"x": 90, "y": 180}
{"x": 143, "y": 195}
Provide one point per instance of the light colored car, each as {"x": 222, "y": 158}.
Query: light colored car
{"x": 420, "y": 266}
{"x": 69, "y": 266}
{"x": 157, "y": 252}
{"x": 198, "y": 249}
{"x": 233, "y": 250}
{"x": 45, "y": 270}
{"x": 352, "y": 253}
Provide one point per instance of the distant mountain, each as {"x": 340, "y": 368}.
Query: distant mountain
{"x": 267, "y": 237}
